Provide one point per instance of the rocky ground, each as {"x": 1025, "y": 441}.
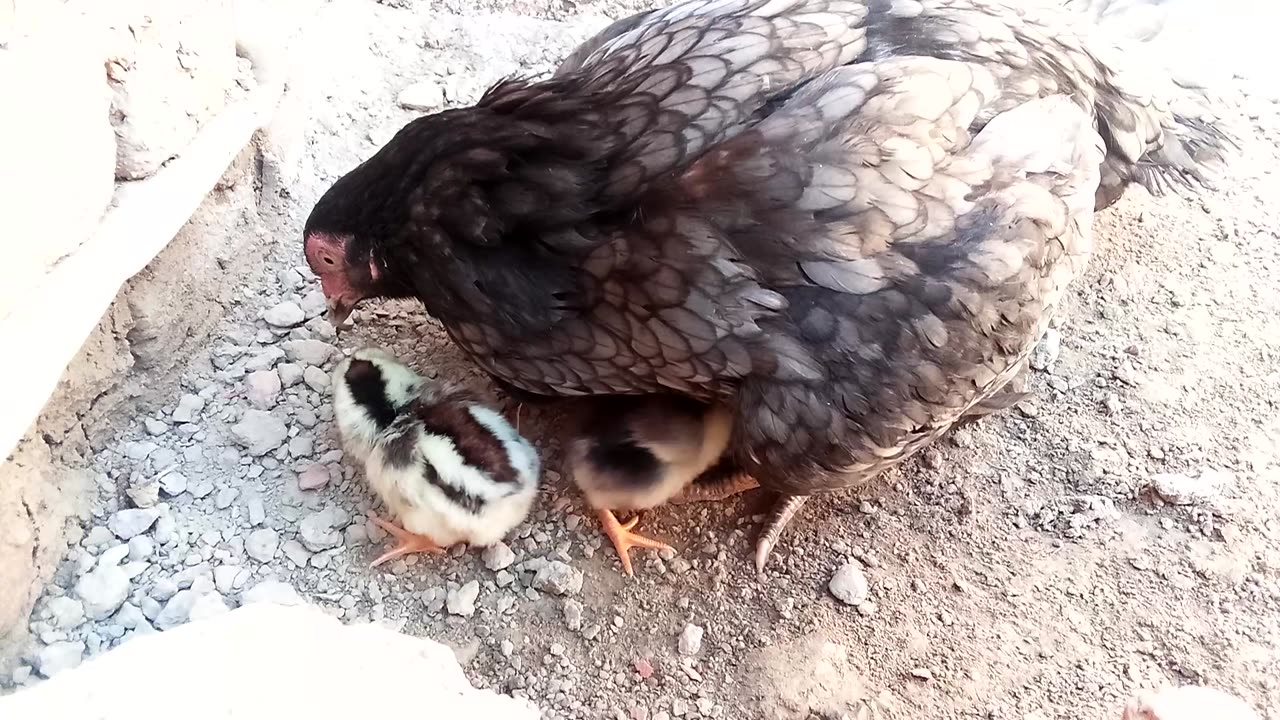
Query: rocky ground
{"x": 1121, "y": 530}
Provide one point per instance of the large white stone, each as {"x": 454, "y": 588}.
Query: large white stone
{"x": 267, "y": 660}
{"x": 170, "y": 66}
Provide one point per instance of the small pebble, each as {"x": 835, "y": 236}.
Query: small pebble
{"x": 314, "y": 477}
{"x": 690, "y": 640}
{"x": 462, "y": 600}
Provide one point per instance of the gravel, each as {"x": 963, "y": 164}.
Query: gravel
{"x": 263, "y": 387}
{"x": 313, "y": 477}
{"x": 309, "y": 352}
{"x": 320, "y": 530}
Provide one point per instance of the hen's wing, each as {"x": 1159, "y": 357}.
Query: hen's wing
{"x": 929, "y": 267}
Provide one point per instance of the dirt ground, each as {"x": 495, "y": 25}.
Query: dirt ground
{"x": 1021, "y": 569}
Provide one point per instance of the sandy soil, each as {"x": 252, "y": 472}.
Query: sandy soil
{"x": 1021, "y": 569}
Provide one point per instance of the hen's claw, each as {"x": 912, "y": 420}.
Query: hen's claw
{"x": 408, "y": 544}
{"x": 623, "y": 539}
{"x": 786, "y": 509}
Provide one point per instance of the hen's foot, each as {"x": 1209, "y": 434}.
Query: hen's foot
{"x": 623, "y": 539}
{"x": 714, "y": 490}
{"x": 781, "y": 515}
{"x": 408, "y": 543}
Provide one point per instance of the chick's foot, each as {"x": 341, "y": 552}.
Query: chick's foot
{"x": 407, "y": 542}
{"x": 786, "y": 509}
{"x": 623, "y": 539}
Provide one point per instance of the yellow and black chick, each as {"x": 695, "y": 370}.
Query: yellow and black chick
{"x": 449, "y": 467}
{"x": 638, "y": 452}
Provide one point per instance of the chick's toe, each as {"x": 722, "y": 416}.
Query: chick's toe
{"x": 623, "y": 539}
{"x": 407, "y": 543}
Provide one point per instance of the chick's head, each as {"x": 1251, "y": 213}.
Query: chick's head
{"x": 370, "y": 388}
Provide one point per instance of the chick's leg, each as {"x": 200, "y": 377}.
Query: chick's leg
{"x": 786, "y": 509}
{"x": 623, "y": 539}
{"x": 722, "y": 480}
{"x": 407, "y": 542}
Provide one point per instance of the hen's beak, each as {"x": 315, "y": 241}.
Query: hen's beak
{"x": 339, "y": 311}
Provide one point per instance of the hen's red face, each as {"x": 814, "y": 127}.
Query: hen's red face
{"x": 344, "y": 286}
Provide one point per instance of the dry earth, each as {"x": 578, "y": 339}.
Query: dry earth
{"x": 1022, "y": 569}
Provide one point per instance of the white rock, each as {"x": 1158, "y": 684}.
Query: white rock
{"x": 264, "y": 359}
{"x": 129, "y": 617}
{"x": 314, "y": 477}
{"x": 422, "y": 96}
{"x": 1045, "y": 353}
{"x": 290, "y": 374}
{"x": 1188, "y": 702}
{"x": 56, "y": 658}
{"x": 225, "y": 576}
{"x": 207, "y": 606}
{"x": 462, "y": 600}
{"x": 257, "y": 511}
{"x": 498, "y": 556}
{"x": 558, "y": 578}
{"x": 259, "y": 432}
{"x": 141, "y": 547}
{"x": 308, "y": 352}
{"x": 273, "y": 591}
{"x": 139, "y": 451}
{"x": 65, "y": 612}
{"x": 96, "y": 536}
{"x": 849, "y": 584}
{"x": 297, "y": 554}
{"x": 102, "y": 591}
{"x": 314, "y": 303}
{"x": 263, "y": 657}
{"x": 319, "y": 530}
{"x": 261, "y": 545}
{"x": 285, "y": 315}
{"x": 1182, "y": 489}
{"x": 263, "y": 388}
{"x": 174, "y": 483}
{"x": 114, "y": 555}
{"x": 188, "y": 410}
{"x": 155, "y": 427}
{"x": 177, "y": 611}
{"x": 226, "y": 497}
{"x": 316, "y": 379}
{"x": 690, "y": 640}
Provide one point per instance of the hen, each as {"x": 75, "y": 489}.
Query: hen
{"x": 848, "y": 221}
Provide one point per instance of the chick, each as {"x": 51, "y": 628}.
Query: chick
{"x": 1190, "y": 702}
{"x": 451, "y": 469}
{"x": 635, "y": 453}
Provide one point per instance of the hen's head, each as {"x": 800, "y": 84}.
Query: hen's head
{"x": 342, "y": 243}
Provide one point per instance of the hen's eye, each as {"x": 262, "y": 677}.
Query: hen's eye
{"x": 328, "y": 260}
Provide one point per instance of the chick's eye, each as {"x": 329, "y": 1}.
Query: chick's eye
{"x": 328, "y": 260}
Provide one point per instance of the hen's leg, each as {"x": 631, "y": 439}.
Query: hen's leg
{"x": 787, "y": 507}
{"x": 623, "y": 539}
{"x": 408, "y": 543}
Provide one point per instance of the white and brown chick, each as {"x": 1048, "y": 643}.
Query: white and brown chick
{"x": 451, "y": 469}
{"x": 633, "y": 453}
